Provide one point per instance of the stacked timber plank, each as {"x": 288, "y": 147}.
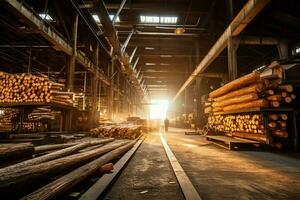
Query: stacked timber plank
{"x": 118, "y": 131}
{"x": 21, "y": 88}
{"x": 69, "y": 164}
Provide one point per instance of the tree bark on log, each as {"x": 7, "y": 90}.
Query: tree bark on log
{"x": 51, "y": 147}
{"x": 12, "y": 151}
{"x": 256, "y": 88}
{"x": 251, "y": 104}
{"x": 53, "y": 155}
{"x": 63, "y": 184}
{"x": 280, "y": 133}
{"x": 236, "y": 84}
{"x": 13, "y": 180}
{"x": 235, "y": 100}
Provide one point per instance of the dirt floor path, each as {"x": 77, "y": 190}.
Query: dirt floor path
{"x": 218, "y": 173}
{"x": 148, "y": 175}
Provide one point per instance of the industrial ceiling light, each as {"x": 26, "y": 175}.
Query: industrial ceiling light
{"x": 168, "y": 20}
{"x": 150, "y": 64}
{"x": 96, "y": 18}
{"x": 179, "y": 31}
{"x": 166, "y": 56}
{"x": 158, "y": 19}
{"x": 149, "y": 48}
{"x": 149, "y": 19}
{"x": 46, "y": 17}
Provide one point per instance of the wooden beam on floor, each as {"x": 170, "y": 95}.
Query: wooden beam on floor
{"x": 101, "y": 185}
{"x": 188, "y": 189}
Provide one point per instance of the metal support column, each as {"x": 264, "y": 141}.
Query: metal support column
{"x": 232, "y": 58}
{"x": 71, "y": 71}
{"x": 111, "y": 91}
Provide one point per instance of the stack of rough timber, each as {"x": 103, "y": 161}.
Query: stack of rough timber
{"x": 6, "y": 116}
{"x": 118, "y": 131}
{"x": 253, "y": 90}
{"x": 21, "y": 88}
{"x": 233, "y": 107}
{"x": 69, "y": 164}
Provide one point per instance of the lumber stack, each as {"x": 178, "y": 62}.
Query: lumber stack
{"x": 235, "y": 107}
{"x": 254, "y": 90}
{"x": 14, "y": 178}
{"x": 21, "y": 88}
{"x": 43, "y": 113}
{"x": 118, "y": 131}
{"x": 6, "y": 116}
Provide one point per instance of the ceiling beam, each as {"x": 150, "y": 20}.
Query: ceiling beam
{"x": 239, "y": 23}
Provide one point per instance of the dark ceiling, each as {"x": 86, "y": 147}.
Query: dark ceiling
{"x": 166, "y": 59}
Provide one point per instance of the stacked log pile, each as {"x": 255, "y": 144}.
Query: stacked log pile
{"x": 43, "y": 113}
{"x": 80, "y": 157}
{"x": 234, "y": 108}
{"x": 20, "y": 88}
{"x": 250, "y": 91}
{"x": 6, "y": 116}
{"x": 118, "y": 131}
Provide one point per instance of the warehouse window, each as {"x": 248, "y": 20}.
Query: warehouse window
{"x": 97, "y": 19}
{"x": 158, "y": 109}
{"x": 46, "y": 17}
{"x": 157, "y": 19}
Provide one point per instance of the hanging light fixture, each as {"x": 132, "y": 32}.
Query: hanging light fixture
{"x": 179, "y": 31}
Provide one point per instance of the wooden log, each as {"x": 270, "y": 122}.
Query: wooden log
{"x": 235, "y": 100}
{"x": 217, "y": 109}
{"x": 288, "y": 99}
{"x": 251, "y": 136}
{"x": 53, "y": 155}
{"x": 283, "y": 116}
{"x": 273, "y": 117}
{"x": 236, "y": 84}
{"x": 272, "y": 125}
{"x": 269, "y": 92}
{"x": 51, "y": 147}
{"x": 274, "y": 104}
{"x": 256, "y": 88}
{"x": 246, "y": 105}
{"x": 282, "y": 124}
{"x": 107, "y": 168}
{"x": 15, "y": 151}
{"x": 280, "y": 133}
{"x": 284, "y": 94}
{"x": 66, "y": 182}
{"x": 288, "y": 88}
{"x": 293, "y": 96}
{"x": 14, "y": 180}
{"x": 207, "y": 110}
{"x": 274, "y": 98}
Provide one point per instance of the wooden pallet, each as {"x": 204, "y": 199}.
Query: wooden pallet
{"x": 234, "y": 143}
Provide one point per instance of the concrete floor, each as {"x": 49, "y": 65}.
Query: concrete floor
{"x": 148, "y": 175}
{"x": 215, "y": 172}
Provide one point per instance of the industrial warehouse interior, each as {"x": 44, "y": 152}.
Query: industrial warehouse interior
{"x": 149, "y": 99}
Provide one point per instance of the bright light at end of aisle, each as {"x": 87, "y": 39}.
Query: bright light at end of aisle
{"x": 158, "y": 109}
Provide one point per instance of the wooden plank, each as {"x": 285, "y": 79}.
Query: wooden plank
{"x": 99, "y": 187}
{"x": 188, "y": 189}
